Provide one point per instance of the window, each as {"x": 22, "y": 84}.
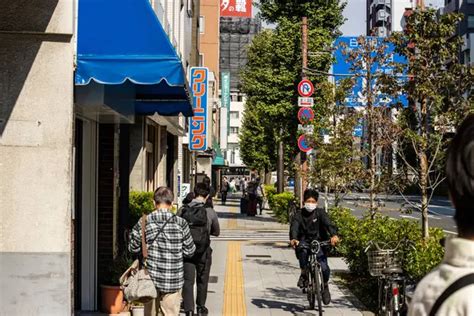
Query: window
{"x": 232, "y": 157}
{"x": 202, "y": 21}
{"x": 234, "y": 130}
{"x": 234, "y": 114}
{"x": 470, "y": 21}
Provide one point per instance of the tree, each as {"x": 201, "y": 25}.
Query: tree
{"x": 274, "y": 68}
{"x": 439, "y": 89}
{"x": 368, "y": 61}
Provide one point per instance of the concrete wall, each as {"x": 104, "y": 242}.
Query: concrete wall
{"x": 36, "y": 117}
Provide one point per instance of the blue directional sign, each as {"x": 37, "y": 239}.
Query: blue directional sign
{"x": 343, "y": 69}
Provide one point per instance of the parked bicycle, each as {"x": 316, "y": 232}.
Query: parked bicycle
{"x": 315, "y": 285}
{"x": 385, "y": 264}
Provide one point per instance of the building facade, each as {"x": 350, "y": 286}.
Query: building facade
{"x": 466, "y": 27}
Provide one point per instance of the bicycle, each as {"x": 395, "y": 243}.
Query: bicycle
{"x": 385, "y": 265}
{"x": 315, "y": 285}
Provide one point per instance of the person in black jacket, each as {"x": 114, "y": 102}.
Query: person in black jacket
{"x": 312, "y": 223}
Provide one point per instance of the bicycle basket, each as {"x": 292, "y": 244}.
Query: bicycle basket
{"x": 381, "y": 259}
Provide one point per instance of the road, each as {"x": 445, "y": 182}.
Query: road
{"x": 441, "y": 212}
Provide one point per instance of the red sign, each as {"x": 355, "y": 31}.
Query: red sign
{"x": 303, "y": 144}
{"x": 236, "y": 8}
{"x": 305, "y": 115}
{"x": 305, "y": 88}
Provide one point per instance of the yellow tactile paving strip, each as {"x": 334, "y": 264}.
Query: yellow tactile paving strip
{"x": 234, "y": 295}
{"x": 232, "y": 222}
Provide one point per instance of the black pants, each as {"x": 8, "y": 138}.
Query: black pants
{"x": 302, "y": 253}
{"x": 223, "y": 197}
{"x": 260, "y": 203}
{"x": 196, "y": 270}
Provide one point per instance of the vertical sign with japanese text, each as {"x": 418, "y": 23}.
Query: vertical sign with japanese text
{"x": 198, "y": 122}
{"x": 225, "y": 98}
{"x": 236, "y": 8}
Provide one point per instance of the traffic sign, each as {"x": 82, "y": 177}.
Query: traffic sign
{"x": 307, "y": 129}
{"x": 305, "y": 102}
{"x": 305, "y": 115}
{"x": 305, "y": 88}
{"x": 303, "y": 144}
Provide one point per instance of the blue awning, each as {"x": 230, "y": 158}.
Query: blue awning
{"x": 123, "y": 40}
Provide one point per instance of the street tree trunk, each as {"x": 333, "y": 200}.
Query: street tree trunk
{"x": 423, "y": 167}
{"x": 280, "y": 166}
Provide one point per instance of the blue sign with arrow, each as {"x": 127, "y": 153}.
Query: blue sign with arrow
{"x": 344, "y": 69}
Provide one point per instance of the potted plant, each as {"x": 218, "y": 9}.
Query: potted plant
{"x": 112, "y": 301}
{"x": 138, "y": 309}
{"x": 139, "y": 203}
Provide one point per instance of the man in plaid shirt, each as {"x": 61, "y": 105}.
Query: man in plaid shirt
{"x": 169, "y": 240}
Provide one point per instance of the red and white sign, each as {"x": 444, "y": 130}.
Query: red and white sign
{"x": 305, "y": 102}
{"x": 305, "y": 88}
{"x": 236, "y": 8}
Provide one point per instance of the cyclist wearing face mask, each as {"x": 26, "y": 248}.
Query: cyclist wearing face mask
{"x": 308, "y": 224}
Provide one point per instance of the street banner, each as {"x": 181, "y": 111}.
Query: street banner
{"x": 236, "y": 8}
{"x": 223, "y": 127}
{"x": 343, "y": 69}
{"x": 199, "y": 122}
{"x": 225, "y": 99}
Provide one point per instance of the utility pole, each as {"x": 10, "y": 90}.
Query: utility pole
{"x": 300, "y": 180}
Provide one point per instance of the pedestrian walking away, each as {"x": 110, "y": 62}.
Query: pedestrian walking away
{"x": 449, "y": 288}
{"x": 169, "y": 240}
{"x": 260, "y": 195}
{"x": 212, "y": 192}
{"x": 225, "y": 188}
{"x": 203, "y": 222}
{"x": 308, "y": 224}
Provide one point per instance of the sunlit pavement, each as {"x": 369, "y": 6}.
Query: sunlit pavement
{"x": 254, "y": 272}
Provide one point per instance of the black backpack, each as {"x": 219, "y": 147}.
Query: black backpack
{"x": 197, "y": 220}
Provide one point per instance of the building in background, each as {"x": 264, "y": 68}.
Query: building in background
{"x": 236, "y": 34}
{"x": 466, "y": 27}
{"x": 386, "y": 16}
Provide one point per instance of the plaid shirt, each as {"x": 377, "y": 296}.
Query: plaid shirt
{"x": 165, "y": 254}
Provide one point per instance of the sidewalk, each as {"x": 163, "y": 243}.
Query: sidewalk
{"x": 251, "y": 276}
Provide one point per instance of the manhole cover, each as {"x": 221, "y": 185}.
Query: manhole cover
{"x": 213, "y": 279}
{"x": 258, "y": 256}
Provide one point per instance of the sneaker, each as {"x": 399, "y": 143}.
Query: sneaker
{"x": 326, "y": 295}
{"x": 302, "y": 281}
{"x": 202, "y": 311}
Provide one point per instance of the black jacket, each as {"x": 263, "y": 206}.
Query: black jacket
{"x": 307, "y": 226}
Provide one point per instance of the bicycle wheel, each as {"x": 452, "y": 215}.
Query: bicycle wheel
{"x": 317, "y": 288}
{"x": 310, "y": 289}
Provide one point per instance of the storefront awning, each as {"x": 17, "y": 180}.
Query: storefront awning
{"x": 123, "y": 40}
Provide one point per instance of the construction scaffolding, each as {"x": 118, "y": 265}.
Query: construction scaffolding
{"x": 236, "y": 34}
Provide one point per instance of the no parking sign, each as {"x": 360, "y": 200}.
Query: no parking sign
{"x": 305, "y": 88}
{"x": 303, "y": 144}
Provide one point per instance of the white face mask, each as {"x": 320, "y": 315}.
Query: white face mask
{"x": 310, "y": 206}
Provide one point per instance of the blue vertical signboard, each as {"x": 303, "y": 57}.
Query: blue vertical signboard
{"x": 343, "y": 69}
{"x": 198, "y": 123}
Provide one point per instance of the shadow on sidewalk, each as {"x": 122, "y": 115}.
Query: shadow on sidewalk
{"x": 275, "y": 263}
{"x": 257, "y": 218}
{"x": 281, "y": 305}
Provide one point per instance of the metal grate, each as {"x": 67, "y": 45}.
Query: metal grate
{"x": 213, "y": 279}
{"x": 258, "y": 256}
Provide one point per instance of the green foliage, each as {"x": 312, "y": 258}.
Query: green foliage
{"x": 272, "y": 73}
{"x": 336, "y": 166}
{"x": 356, "y": 234}
{"x": 140, "y": 203}
{"x": 280, "y": 204}
{"x": 115, "y": 270}
{"x": 270, "y": 191}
